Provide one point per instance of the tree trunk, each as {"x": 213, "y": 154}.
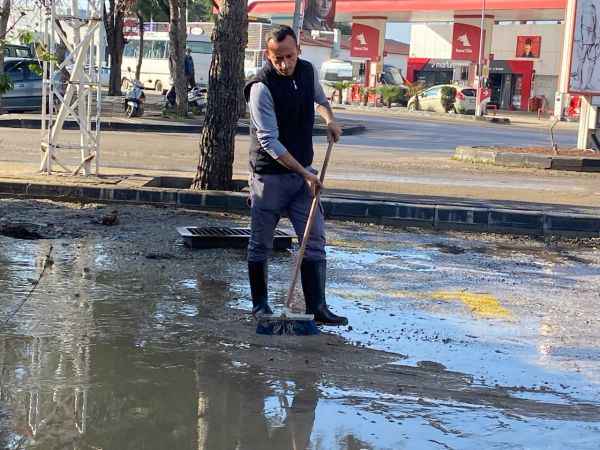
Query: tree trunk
{"x": 113, "y": 21}
{"x": 224, "y": 106}
{"x": 4, "y": 15}
{"x": 177, "y": 41}
{"x": 138, "y": 67}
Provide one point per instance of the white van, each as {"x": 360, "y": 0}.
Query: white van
{"x": 332, "y": 71}
{"x": 155, "y": 72}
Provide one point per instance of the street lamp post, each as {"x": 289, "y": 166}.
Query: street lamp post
{"x": 478, "y": 109}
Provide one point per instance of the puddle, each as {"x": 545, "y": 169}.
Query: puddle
{"x": 492, "y": 346}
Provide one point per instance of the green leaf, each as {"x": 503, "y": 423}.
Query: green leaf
{"x": 26, "y": 37}
{"x": 6, "y": 84}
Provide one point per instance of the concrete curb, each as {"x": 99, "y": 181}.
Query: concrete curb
{"x": 243, "y": 127}
{"x": 432, "y": 216}
{"x": 490, "y": 155}
{"x": 427, "y": 114}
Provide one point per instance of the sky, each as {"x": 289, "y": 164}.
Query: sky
{"x": 398, "y": 31}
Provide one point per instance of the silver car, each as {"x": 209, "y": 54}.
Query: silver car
{"x": 26, "y": 94}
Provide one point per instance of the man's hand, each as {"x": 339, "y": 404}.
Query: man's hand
{"x": 333, "y": 131}
{"x": 314, "y": 183}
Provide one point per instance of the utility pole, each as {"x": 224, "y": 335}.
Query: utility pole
{"x": 478, "y": 111}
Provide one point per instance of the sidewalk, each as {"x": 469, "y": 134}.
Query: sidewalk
{"x": 354, "y": 204}
{"x": 157, "y": 124}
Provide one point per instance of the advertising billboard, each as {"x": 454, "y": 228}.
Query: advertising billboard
{"x": 465, "y": 42}
{"x": 528, "y": 46}
{"x": 584, "y": 75}
{"x": 318, "y": 14}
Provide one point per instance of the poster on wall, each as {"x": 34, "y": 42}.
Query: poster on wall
{"x": 318, "y": 15}
{"x": 528, "y": 46}
{"x": 584, "y": 76}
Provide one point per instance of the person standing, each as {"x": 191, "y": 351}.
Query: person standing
{"x": 281, "y": 100}
{"x": 189, "y": 69}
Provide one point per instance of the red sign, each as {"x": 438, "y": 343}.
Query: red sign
{"x": 528, "y": 46}
{"x": 465, "y": 42}
{"x": 364, "y": 42}
{"x": 130, "y": 27}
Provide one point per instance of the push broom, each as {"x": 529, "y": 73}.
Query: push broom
{"x": 289, "y": 322}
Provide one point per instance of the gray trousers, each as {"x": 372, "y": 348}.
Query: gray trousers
{"x": 273, "y": 195}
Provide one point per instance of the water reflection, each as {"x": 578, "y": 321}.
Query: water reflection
{"x": 92, "y": 363}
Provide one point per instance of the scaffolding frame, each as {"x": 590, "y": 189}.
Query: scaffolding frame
{"x": 72, "y": 99}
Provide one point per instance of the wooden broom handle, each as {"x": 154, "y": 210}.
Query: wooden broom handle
{"x": 309, "y": 224}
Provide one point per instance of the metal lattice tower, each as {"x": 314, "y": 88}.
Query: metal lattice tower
{"x": 79, "y": 27}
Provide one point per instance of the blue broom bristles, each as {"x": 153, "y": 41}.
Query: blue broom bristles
{"x": 287, "y": 327}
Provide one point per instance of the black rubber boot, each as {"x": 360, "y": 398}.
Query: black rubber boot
{"x": 313, "y": 284}
{"x": 257, "y": 273}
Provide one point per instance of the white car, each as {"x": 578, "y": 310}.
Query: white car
{"x": 431, "y": 100}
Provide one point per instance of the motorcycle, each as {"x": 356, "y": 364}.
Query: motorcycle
{"x": 196, "y": 99}
{"x": 133, "y": 104}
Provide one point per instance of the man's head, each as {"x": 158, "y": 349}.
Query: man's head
{"x": 323, "y": 8}
{"x": 188, "y": 51}
{"x": 527, "y": 45}
{"x": 282, "y": 50}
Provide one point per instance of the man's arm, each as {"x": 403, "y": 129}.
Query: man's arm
{"x": 324, "y": 109}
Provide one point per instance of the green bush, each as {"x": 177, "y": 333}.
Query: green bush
{"x": 390, "y": 94}
{"x": 340, "y": 87}
{"x": 448, "y": 97}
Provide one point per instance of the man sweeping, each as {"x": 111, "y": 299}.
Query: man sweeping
{"x": 282, "y": 100}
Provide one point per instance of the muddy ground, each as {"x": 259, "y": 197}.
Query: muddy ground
{"x": 480, "y": 339}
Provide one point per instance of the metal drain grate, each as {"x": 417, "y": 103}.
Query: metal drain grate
{"x": 222, "y": 237}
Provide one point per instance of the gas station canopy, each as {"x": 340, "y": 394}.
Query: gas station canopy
{"x": 423, "y": 10}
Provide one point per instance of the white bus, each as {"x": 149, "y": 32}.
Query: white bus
{"x": 155, "y": 64}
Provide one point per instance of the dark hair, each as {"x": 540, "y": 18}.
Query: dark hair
{"x": 528, "y": 41}
{"x": 279, "y": 33}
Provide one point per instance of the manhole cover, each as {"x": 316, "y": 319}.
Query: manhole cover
{"x": 222, "y": 237}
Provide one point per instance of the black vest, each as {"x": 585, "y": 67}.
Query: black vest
{"x": 294, "y": 102}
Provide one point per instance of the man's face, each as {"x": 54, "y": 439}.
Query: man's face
{"x": 323, "y": 8}
{"x": 527, "y": 48}
{"x": 283, "y": 55}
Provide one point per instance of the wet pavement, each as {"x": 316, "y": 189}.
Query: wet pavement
{"x": 132, "y": 341}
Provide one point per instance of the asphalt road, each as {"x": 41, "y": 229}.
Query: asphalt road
{"x": 396, "y": 155}
{"x": 442, "y": 136}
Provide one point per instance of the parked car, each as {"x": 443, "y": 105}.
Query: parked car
{"x": 17, "y": 51}
{"x": 431, "y": 100}
{"x": 26, "y": 94}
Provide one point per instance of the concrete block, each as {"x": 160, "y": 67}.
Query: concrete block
{"x": 510, "y": 159}
{"x": 475, "y": 154}
{"x": 590, "y": 164}
{"x": 190, "y": 198}
{"x": 571, "y": 224}
{"x": 538, "y": 161}
{"x": 128, "y": 195}
{"x": 377, "y": 210}
{"x": 516, "y": 221}
{"x": 237, "y": 202}
{"x": 422, "y": 213}
{"x": 567, "y": 163}
{"x": 149, "y": 196}
{"x": 92, "y": 193}
{"x": 449, "y": 217}
{"x": 10, "y": 187}
{"x": 340, "y": 208}
{"x": 216, "y": 200}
